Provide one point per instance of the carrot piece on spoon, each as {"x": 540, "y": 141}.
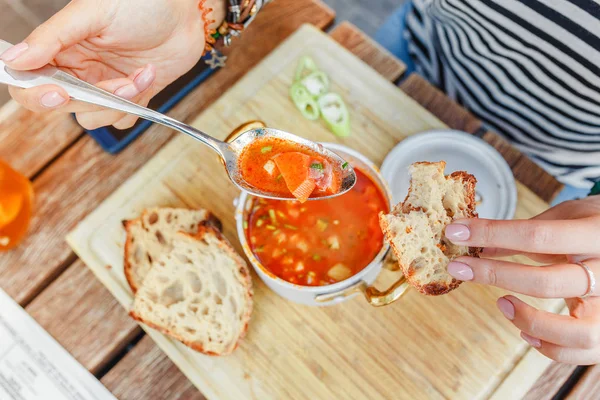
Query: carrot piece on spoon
{"x": 295, "y": 171}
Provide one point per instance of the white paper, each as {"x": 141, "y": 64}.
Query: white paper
{"x": 33, "y": 366}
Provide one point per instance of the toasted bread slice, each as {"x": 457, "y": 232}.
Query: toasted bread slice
{"x": 152, "y": 234}
{"x": 200, "y": 293}
{"x": 415, "y": 228}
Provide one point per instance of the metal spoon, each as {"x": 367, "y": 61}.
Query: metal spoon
{"x": 229, "y": 152}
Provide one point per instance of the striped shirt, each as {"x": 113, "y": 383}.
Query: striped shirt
{"x": 529, "y": 69}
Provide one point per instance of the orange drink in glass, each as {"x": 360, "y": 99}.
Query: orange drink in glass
{"x": 16, "y": 201}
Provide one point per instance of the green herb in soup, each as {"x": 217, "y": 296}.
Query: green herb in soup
{"x": 320, "y": 242}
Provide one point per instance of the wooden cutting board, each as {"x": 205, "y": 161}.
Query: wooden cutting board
{"x": 454, "y": 346}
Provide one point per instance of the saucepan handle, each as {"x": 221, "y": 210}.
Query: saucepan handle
{"x": 374, "y": 297}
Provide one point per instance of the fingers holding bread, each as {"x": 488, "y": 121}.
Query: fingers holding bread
{"x": 415, "y": 229}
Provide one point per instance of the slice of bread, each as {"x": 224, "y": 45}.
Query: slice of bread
{"x": 152, "y": 234}
{"x": 415, "y": 228}
{"x": 200, "y": 293}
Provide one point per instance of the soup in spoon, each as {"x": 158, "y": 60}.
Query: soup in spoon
{"x": 282, "y": 167}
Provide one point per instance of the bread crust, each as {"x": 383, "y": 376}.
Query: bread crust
{"x": 206, "y": 228}
{"x": 430, "y": 289}
{"x": 471, "y": 181}
{"x": 127, "y": 268}
{"x": 193, "y": 345}
{"x": 433, "y": 288}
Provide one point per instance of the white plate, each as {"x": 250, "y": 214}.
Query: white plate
{"x": 496, "y": 189}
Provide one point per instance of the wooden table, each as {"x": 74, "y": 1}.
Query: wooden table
{"x": 72, "y": 175}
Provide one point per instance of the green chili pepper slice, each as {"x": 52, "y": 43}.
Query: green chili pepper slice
{"x": 304, "y": 101}
{"x": 317, "y": 83}
{"x": 306, "y": 66}
{"x": 335, "y": 113}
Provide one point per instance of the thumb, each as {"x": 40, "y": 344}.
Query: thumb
{"x": 69, "y": 26}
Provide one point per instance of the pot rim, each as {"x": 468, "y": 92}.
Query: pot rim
{"x": 339, "y": 286}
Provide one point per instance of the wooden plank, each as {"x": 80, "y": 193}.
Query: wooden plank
{"x": 551, "y": 381}
{"x": 147, "y": 373}
{"x": 434, "y": 100}
{"x": 588, "y": 387}
{"x": 529, "y": 375}
{"x": 29, "y": 141}
{"x": 525, "y": 170}
{"x": 456, "y": 117}
{"x": 77, "y": 182}
{"x": 368, "y": 50}
{"x": 78, "y": 311}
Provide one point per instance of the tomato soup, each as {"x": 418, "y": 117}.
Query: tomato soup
{"x": 320, "y": 242}
{"x": 282, "y": 167}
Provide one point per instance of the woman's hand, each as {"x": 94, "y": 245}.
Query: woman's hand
{"x": 560, "y": 237}
{"x": 132, "y": 48}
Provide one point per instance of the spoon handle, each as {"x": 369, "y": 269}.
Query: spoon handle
{"x": 85, "y": 92}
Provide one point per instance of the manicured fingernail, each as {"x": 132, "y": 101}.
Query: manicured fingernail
{"x": 145, "y": 78}
{"x": 52, "y": 99}
{"x": 14, "y": 52}
{"x": 460, "y": 271}
{"x": 127, "y": 91}
{"x": 506, "y": 307}
{"x": 458, "y": 232}
{"x": 535, "y": 342}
